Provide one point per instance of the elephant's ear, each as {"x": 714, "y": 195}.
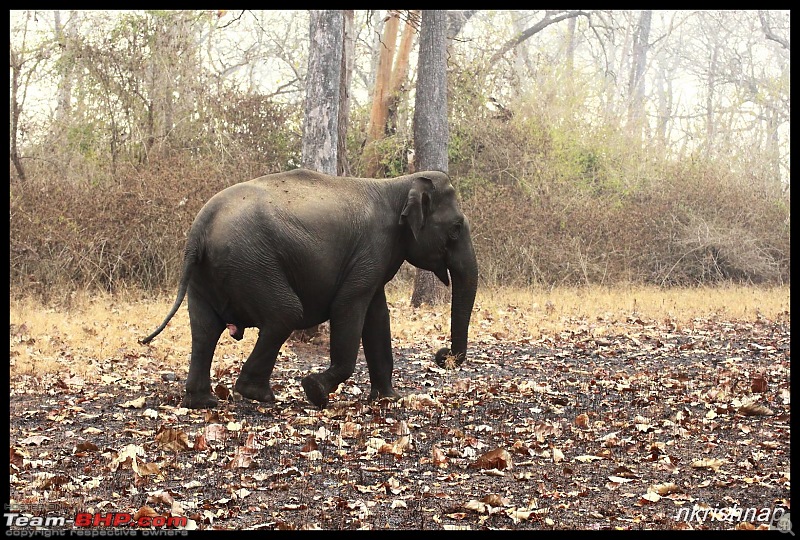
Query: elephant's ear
{"x": 418, "y": 205}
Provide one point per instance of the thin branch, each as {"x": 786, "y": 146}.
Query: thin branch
{"x": 232, "y": 21}
{"x": 535, "y": 29}
{"x": 768, "y": 33}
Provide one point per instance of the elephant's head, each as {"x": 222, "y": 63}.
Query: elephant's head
{"x": 442, "y": 244}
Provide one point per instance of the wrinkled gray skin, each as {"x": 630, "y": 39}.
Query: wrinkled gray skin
{"x": 291, "y": 250}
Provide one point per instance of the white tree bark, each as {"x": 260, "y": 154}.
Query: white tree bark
{"x": 321, "y": 124}
{"x": 431, "y": 130}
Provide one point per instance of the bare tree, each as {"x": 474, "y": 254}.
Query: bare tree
{"x": 636, "y": 82}
{"x": 321, "y": 125}
{"x": 431, "y": 130}
{"x": 24, "y": 61}
{"x": 348, "y": 50}
{"x": 322, "y": 107}
{"x": 66, "y": 39}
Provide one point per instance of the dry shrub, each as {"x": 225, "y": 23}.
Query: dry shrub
{"x": 657, "y": 235}
{"x": 88, "y": 221}
{"x": 716, "y": 226}
{"x": 69, "y": 236}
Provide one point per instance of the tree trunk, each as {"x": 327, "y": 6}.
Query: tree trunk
{"x": 638, "y": 65}
{"x": 321, "y": 126}
{"x": 15, "y": 112}
{"x": 64, "y": 38}
{"x": 400, "y": 71}
{"x": 348, "y": 52}
{"x": 379, "y": 112}
{"x": 570, "y": 49}
{"x": 431, "y": 131}
{"x": 322, "y": 106}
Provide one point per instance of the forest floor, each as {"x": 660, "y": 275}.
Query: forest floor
{"x": 595, "y": 409}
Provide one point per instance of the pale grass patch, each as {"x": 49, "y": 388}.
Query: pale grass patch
{"x": 96, "y": 330}
{"x": 518, "y": 313}
{"x": 680, "y": 305}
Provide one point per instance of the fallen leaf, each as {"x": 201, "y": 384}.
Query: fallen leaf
{"x": 160, "y": 496}
{"x": 34, "y": 440}
{"x": 125, "y": 456}
{"x": 200, "y": 442}
{"x": 349, "y": 430}
{"x": 587, "y": 458}
{"x": 758, "y": 384}
{"x": 754, "y": 409}
{"x": 145, "y": 511}
{"x": 498, "y": 458}
{"x": 476, "y": 506}
{"x": 312, "y": 455}
{"x": 664, "y": 489}
{"x": 86, "y": 446}
{"x": 651, "y": 497}
{"x": 619, "y": 479}
{"x": 708, "y": 463}
{"x": 438, "y": 457}
{"x": 242, "y": 458}
{"x": 517, "y": 515}
{"x": 137, "y": 403}
{"x": 17, "y": 457}
{"x": 419, "y": 402}
{"x": 493, "y": 499}
{"x": 222, "y": 392}
{"x": 215, "y": 432}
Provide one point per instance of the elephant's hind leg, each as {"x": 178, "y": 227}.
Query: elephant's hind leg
{"x": 206, "y": 328}
{"x": 253, "y": 381}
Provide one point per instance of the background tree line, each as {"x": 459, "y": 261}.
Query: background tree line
{"x": 588, "y": 146}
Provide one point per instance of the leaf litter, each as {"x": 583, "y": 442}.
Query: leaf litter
{"x": 576, "y": 429}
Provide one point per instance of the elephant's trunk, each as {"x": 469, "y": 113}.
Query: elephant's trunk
{"x": 463, "y": 268}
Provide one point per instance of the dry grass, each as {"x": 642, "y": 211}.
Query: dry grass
{"x": 99, "y": 330}
{"x": 515, "y": 313}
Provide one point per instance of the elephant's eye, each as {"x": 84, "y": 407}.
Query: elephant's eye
{"x": 455, "y": 230}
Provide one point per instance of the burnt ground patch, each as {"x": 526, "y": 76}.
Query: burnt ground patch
{"x": 649, "y": 427}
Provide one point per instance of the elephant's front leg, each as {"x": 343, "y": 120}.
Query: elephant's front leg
{"x": 376, "y": 338}
{"x": 347, "y": 320}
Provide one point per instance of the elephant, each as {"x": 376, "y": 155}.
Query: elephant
{"x": 290, "y": 250}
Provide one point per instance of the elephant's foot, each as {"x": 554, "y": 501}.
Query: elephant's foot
{"x": 199, "y": 400}
{"x": 316, "y": 392}
{"x": 259, "y": 392}
{"x": 391, "y": 394}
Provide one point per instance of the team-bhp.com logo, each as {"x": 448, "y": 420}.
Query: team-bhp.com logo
{"x": 92, "y": 520}
{"x": 121, "y": 519}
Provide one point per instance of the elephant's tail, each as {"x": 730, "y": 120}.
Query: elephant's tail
{"x": 189, "y": 259}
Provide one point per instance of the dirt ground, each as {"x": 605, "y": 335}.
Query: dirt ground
{"x": 652, "y": 426}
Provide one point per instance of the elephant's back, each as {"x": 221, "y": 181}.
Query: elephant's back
{"x": 299, "y": 204}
